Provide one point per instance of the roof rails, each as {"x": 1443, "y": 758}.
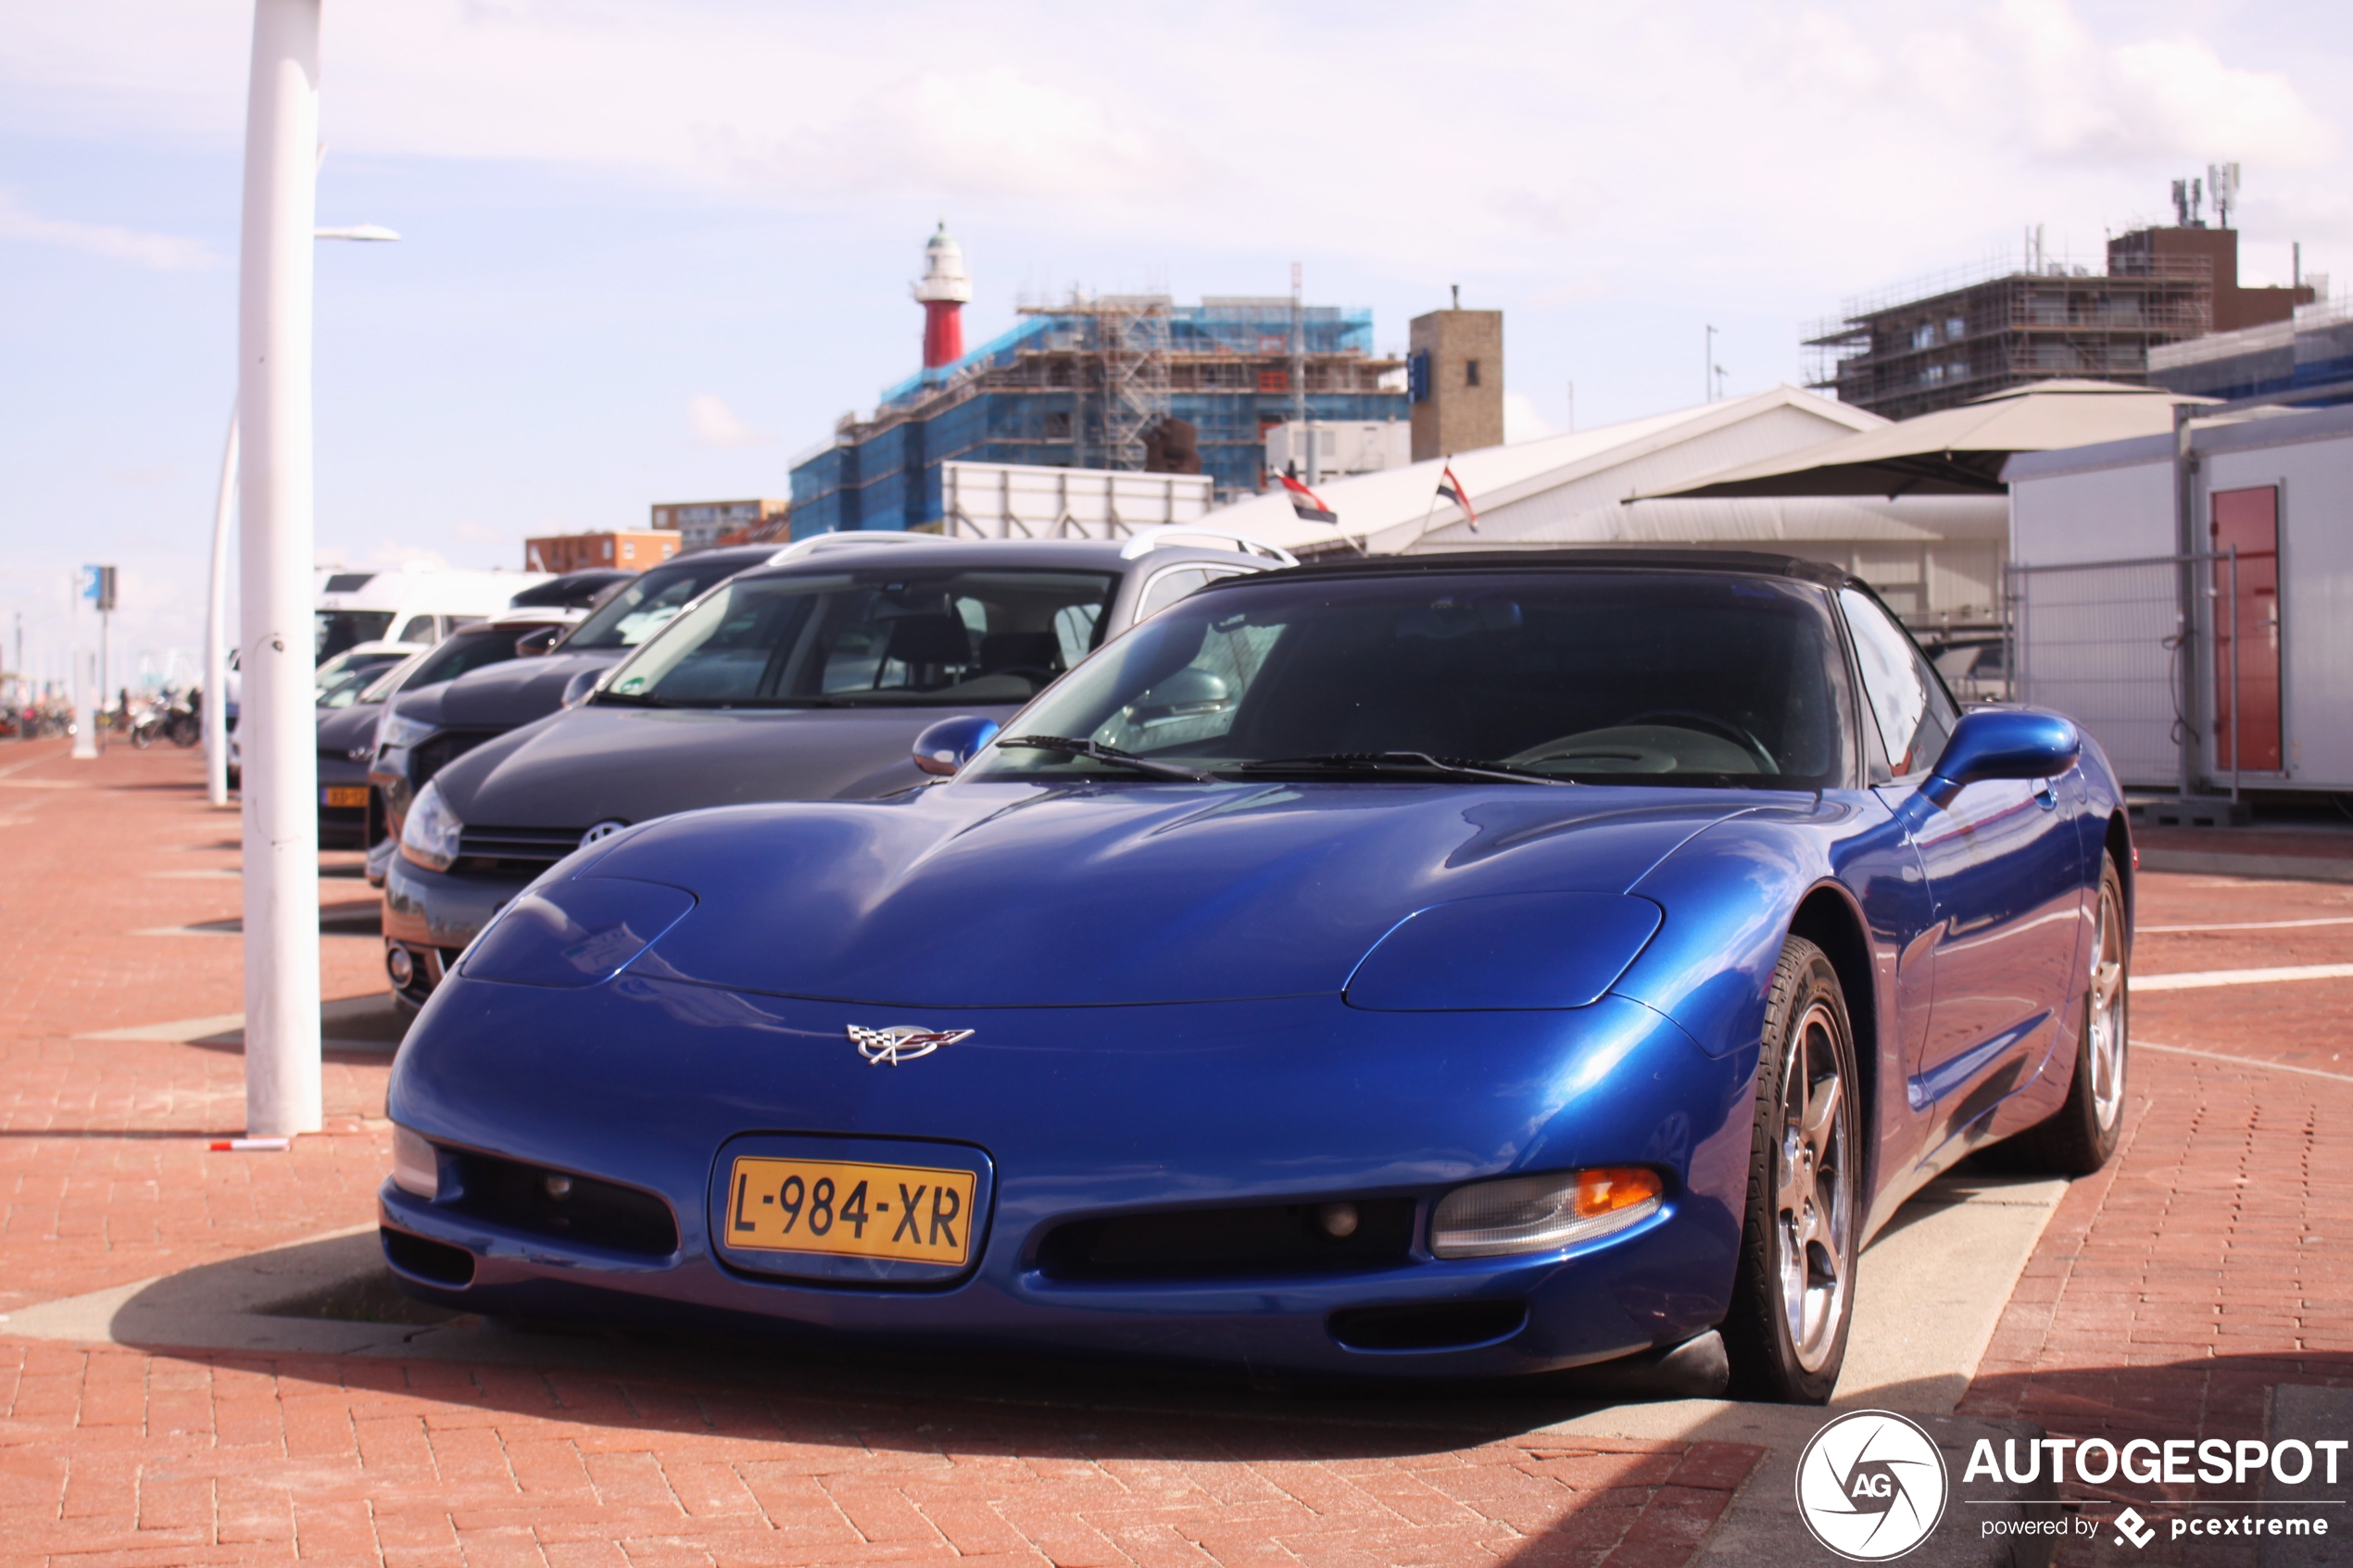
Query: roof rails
{"x": 1144, "y": 541}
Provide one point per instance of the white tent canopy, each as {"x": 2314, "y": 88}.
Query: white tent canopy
{"x": 1520, "y": 490}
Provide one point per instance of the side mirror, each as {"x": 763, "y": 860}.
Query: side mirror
{"x": 945, "y": 747}
{"x": 538, "y": 641}
{"x": 2003, "y": 742}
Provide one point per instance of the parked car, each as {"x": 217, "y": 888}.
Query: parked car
{"x": 574, "y": 590}
{"x": 344, "y": 677}
{"x": 415, "y": 604}
{"x": 1423, "y": 966}
{"x": 349, "y": 815}
{"x": 803, "y": 680}
{"x": 430, "y": 726}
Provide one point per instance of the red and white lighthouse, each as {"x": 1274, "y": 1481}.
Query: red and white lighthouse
{"x": 943, "y": 292}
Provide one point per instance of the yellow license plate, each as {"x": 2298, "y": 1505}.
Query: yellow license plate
{"x": 847, "y": 1210}
{"x": 344, "y": 795}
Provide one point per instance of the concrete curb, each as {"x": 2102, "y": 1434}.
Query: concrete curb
{"x": 2271, "y": 867}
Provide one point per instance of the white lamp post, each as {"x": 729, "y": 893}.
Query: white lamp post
{"x": 216, "y": 666}
{"x": 216, "y": 629}
{"x": 276, "y": 725}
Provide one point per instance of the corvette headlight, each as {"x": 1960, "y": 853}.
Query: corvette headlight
{"x": 415, "y": 1167}
{"x": 1541, "y": 1213}
{"x": 430, "y": 836}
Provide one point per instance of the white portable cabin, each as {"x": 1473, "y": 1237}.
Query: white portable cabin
{"x": 1026, "y": 501}
{"x": 2101, "y": 575}
{"x": 415, "y": 604}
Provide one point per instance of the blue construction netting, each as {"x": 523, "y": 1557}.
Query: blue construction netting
{"x": 889, "y": 479}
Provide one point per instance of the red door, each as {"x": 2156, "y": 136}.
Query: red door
{"x": 2248, "y": 521}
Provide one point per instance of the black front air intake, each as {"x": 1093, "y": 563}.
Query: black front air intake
{"x": 1442, "y": 1325}
{"x": 1267, "y": 1242}
{"x": 435, "y": 1261}
{"x": 563, "y": 1207}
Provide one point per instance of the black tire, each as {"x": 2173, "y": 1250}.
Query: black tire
{"x": 2081, "y": 1134}
{"x": 1794, "y": 1292}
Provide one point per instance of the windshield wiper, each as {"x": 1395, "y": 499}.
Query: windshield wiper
{"x": 1392, "y": 761}
{"x": 1095, "y": 751}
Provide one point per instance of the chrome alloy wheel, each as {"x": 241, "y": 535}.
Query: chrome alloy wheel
{"x": 1813, "y": 1192}
{"x": 2105, "y": 1048}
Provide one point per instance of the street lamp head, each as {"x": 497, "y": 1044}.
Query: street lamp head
{"x": 356, "y": 232}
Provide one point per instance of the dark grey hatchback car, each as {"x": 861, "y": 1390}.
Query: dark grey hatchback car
{"x": 808, "y": 680}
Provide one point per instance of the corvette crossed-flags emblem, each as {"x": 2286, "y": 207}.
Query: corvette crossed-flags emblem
{"x": 902, "y": 1042}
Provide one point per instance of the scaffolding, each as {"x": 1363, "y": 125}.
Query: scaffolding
{"x": 1080, "y": 381}
{"x": 1129, "y": 336}
{"x": 1912, "y": 352}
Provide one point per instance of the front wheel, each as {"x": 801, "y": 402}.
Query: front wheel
{"x": 1793, "y": 1293}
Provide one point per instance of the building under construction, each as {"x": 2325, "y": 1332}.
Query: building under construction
{"x": 1133, "y": 381}
{"x": 1949, "y": 340}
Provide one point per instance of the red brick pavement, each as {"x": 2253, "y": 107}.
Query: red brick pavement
{"x": 120, "y": 1455}
{"x": 2212, "y": 1260}
{"x": 2167, "y": 1294}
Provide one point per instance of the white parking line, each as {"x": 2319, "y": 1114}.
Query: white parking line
{"x": 2219, "y": 1058}
{"x": 2199, "y": 980}
{"x": 2241, "y": 925}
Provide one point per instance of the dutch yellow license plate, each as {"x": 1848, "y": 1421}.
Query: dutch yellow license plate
{"x": 344, "y": 795}
{"x": 846, "y": 1210}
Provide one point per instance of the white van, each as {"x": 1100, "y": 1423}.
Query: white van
{"x": 415, "y": 604}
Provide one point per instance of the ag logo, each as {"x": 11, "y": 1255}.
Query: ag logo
{"x": 1870, "y": 1486}
{"x": 602, "y": 829}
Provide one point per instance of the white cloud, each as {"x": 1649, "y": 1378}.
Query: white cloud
{"x": 163, "y": 253}
{"x": 1645, "y": 135}
{"x": 1521, "y": 421}
{"x": 2166, "y": 95}
{"x": 715, "y": 424}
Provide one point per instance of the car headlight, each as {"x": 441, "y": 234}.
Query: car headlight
{"x": 430, "y": 836}
{"x": 399, "y": 730}
{"x": 416, "y": 1168}
{"x": 1541, "y": 1213}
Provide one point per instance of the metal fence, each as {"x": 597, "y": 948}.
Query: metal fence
{"x": 2107, "y": 644}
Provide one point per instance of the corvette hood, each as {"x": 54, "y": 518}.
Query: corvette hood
{"x": 502, "y": 696}
{"x": 991, "y": 894}
{"x": 601, "y": 762}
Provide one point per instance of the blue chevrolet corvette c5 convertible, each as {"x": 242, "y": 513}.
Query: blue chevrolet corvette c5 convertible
{"x": 1452, "y": 966}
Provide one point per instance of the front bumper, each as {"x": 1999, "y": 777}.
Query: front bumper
{"x": 346, "y": 826}
{"x": 1089, "y": 1113}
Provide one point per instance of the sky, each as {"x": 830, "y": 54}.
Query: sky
{"x": 653, "y": 249}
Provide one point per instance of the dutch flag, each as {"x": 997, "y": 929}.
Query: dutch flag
{"x": 1450, "y": 489}
{"x": 1306, "y": 503}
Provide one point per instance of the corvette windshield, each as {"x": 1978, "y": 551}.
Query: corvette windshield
{"x": 1603, "y": 676}
{"x": 853, "y": 639}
